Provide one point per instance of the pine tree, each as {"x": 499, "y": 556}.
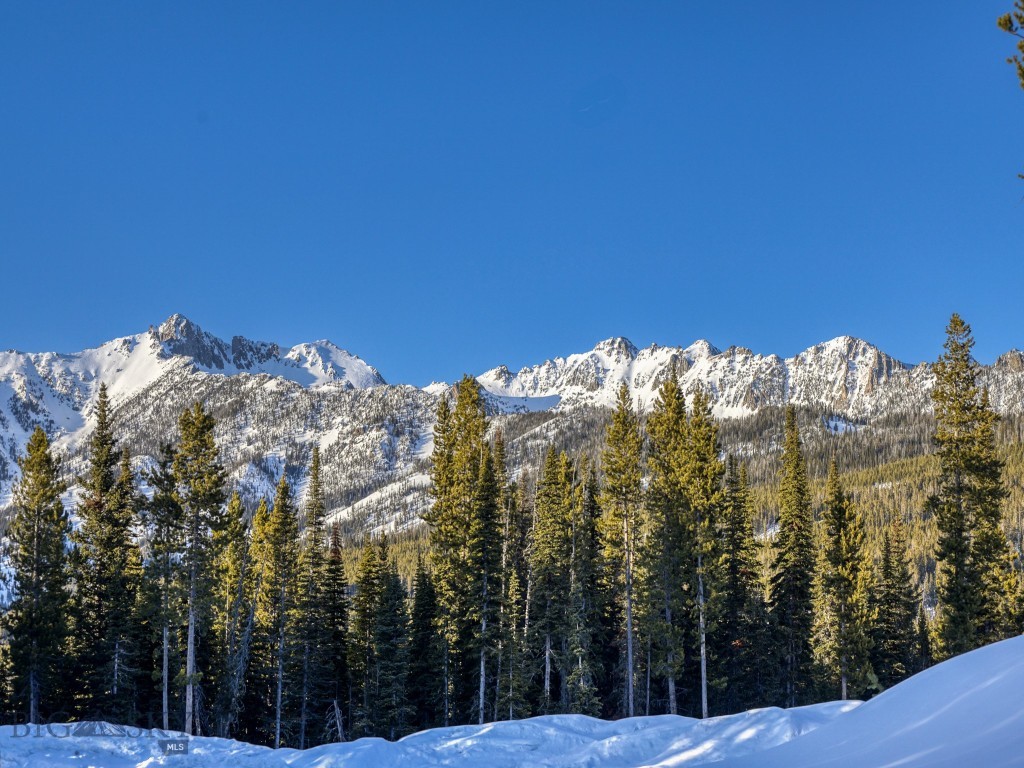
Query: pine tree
{"x": 841, "y": 640}
{"x": 334, "y": 596}
{"x": 703, "y": 472}
{"x": 579, "y": 659}
{"x": 378, "y": 646}
{"x": 425, "y": 681}
{"x": 741, "y": 603}
{"x": 621, "y": 504}
{"x": 484, "y": 561}
{"x": 791, "y": 600}
{"x": 512, "y": 699}
{"x": 200, "y": 478}
{"x": 391, "y": 639}
{"x": 971, "y": 550}
{"x": 275, "y": 554}
{"x": 667, "y": 554}
{"x": 163, "y": 580}
{"x": 458, "y": 450}
{"x": 234, "y": 612}
{"x": 37, "y": 617}
{"x": 309, "y": 626}
{"x": 551, "y": 576}
{"x": 895, "y": 609}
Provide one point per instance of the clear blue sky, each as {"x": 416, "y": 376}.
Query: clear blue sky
{"x": 443, "y": 187}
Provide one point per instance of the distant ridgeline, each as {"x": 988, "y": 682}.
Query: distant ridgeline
{"x": 279, "y": 546}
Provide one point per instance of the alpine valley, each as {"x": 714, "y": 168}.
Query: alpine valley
{"x": 272, "y": 405}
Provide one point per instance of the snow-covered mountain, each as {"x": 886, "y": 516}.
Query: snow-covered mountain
{"x": 844, "y": 375}
{"x": 272, "y": 405}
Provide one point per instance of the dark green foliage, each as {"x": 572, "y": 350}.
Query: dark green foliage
{"x": 107, "y": 571}
{"x": 37, "y": 617}
{"x": 199, "y": 479}
{"x": 895, "y": 605}
{"x": 163, "y": 586}
{"x": 308, "y": 625}
{"x": 972, "y": 549}
{"x": 458, "y": 452}
{"x": 426, "y": 684}
{"x": 378, "y": 647}
{"x": 335, "y": 607}
{"x": 790, "y": 598}
{"x": 275, "y": 547}
{"x": 842, "y": 640}
{"x": 667, "y": 556}
{"x": 741, "y": 632}
{"x": 621, "y": 505}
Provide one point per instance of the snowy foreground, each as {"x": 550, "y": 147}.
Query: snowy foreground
{"x": 967, "y": 711}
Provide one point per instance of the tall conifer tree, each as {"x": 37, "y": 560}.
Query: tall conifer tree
{"x": 199, "y": 477}
{"x": 621, "y": 501}
{"x": 793, "y": 568}
{"x": 37, "y": 617}
{"x": 842, "y": 641}
{"x": 972, "y": 551}
{"x": 895, "y": 608}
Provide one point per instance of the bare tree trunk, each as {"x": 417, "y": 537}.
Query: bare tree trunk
{"x": 190, "y": 655}
{"x": 33, "y": 697}
{"x": 483, "y": 653}
{"x": 117, "y": 665}
{"x": 447, "y": 685}
{"x": 303, "y": 716}
{"x": 673, "y": 706}
{"x": 547, "y": 670}
{"x": 628, "y": 546}
{"x": 280, "y": 687}
{"x": 339, "y": 724}
{"x": 165, "y": 673}
{"x": 647, "y": 698}
{"x": 703, "y": 639}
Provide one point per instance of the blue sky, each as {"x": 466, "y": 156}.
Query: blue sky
{"x": 443, "y": 187}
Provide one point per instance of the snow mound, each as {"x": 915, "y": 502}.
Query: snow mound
{"x": 966, "y": 711}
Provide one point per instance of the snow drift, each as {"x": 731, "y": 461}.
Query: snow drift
{"x": 967, "y": 711}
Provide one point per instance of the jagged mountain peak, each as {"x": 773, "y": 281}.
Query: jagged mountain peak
{"x": 617, "y": 347}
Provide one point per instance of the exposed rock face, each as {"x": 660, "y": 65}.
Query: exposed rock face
{"x": 272, "y": 405}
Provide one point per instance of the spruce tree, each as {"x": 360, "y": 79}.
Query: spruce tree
{"x": 621, "y": 500}
{"x": 200, "y": 478}
{"x": 484, "y": 562}
{"x": 791, "y": 600}
{"x": 233, "y": 619}
{"x": 163, "y": 581}
{"x": 551, "y": 575}
{"x": 579, "y": 659}
{"x": 513, "y": 702}
{"x": 703, "y": 472}
{"x": 310, "y": 630}
{"x": 458, "y": 451}
{"x": 275, "y": 556}
{"x": 335, "y": 602}
{"x": 425, "y": 681}
{"x": 841, "y": 640}
{"x": 972, "y": 551}
{"x": 740, "y": 632}
{"x": 667, "y": 553}
{"x": 895, "y": 609}
{"x": 378, "y": 646}
{"x": 37, "y": 617}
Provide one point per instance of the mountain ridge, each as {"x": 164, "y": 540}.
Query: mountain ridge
{"x": 273, "y": 404}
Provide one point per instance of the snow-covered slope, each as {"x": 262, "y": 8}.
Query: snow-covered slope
{"x": 964, "y": 712}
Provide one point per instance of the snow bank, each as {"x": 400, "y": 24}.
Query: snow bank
{"x": 967, "y": 711}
